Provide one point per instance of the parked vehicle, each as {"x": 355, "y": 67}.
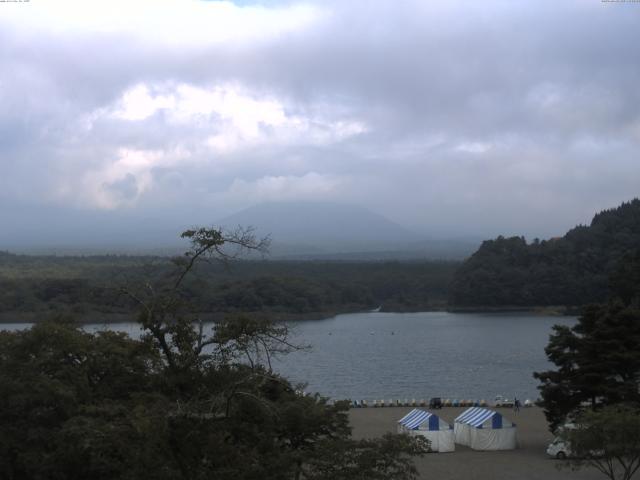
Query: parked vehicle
{"x": 435, "y": 402}
{"x": 559, "y": 449}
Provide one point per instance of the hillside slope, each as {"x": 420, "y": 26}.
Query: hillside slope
{"x": 571, "y": 270}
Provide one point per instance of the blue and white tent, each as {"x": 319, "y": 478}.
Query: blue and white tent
{"x": 483, "y": 429}
{"x": 430, "y": 426}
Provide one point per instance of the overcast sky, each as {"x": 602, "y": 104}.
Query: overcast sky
{"x": 471, "y": 117}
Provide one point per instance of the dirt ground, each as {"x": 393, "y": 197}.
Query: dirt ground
{"x": 529, "y": 461}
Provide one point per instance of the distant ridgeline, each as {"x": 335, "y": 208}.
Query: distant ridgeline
{"x": 573, "y": 270}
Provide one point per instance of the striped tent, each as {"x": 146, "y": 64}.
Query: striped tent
{"x": 430, "y": 426}
{"x": 484, "y": 429}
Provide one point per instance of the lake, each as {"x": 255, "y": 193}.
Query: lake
{"x": 421, "y": 355}
{"x": 415, "y": 355}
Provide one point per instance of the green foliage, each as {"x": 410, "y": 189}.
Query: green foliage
{"x": 374, "y": 459}
{"x": 180, "y": 403}
{"x": 67, "y": 400}
{"x": 625, "y": 280}
{"x": 597, "y": 360}
{"x": 608, "y": 440}
{"x": 572, "y": 270}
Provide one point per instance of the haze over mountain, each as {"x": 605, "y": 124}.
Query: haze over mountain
{"x": 321, "y": 230}
{"x": 299, "y": 230}
{"x": 322, "y": 224}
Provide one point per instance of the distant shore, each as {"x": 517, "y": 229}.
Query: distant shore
{"x": 547, "y": 310}
{"x": 109, "y": 318}
{"x": 115, "y": 318}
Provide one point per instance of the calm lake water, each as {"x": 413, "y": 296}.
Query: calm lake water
{"x": 415, "y": 355}
{"x": 421, "y": 355}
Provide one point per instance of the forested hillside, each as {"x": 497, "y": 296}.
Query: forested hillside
{"x": 572, "y": 270}
{"x": 90, "y": 287}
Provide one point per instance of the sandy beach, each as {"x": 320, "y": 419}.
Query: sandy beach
{"x": 529, "y": 461}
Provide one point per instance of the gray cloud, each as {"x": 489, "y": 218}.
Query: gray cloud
{"x": 125, "y": 189}
{"x": 449, "y": 117}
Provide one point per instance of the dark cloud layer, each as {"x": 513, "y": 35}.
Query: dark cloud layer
{"x": 448, "y": 117}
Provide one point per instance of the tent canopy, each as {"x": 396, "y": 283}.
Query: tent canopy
{"x": 430, "y": 426}
{"x": 416, "y": 419}
{"x": 483, "y": 429}
{"x": 477, "y": 416}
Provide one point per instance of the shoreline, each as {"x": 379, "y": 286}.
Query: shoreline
{"x": 87, "y": 318}
{"x": 116, "y": 318}
{"x": 546, "y": 310}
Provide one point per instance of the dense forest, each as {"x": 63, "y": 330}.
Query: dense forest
{"x": 572, "y": 270}
{"x": 91, "y": 287}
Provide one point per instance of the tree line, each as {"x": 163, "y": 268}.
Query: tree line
{"x": 572, "y": 270}
{"x": 86, "y": 286}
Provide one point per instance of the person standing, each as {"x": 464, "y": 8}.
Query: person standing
{"x": 516, "y": 405}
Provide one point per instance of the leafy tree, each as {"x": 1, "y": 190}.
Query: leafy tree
{"x": 178, "y": 403}
{"x": 69, "y": 400}
{"x": 373, "y": 459}
{"x": 598, "y": 362}
{"x": 608, "y": 440}
{"x": 598, "y": 359}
